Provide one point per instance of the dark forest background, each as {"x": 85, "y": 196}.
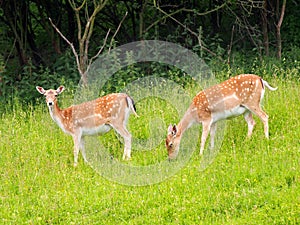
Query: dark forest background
{"x": 228, "y": 34}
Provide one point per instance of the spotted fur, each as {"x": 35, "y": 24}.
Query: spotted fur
{"x": 93, "y": 117}
{"x": 239, "y": 95}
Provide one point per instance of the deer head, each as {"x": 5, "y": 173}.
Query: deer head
{"x": 239, "y": 95}
{"x": 50, "y": 94}
{"x": 172, "y": 141}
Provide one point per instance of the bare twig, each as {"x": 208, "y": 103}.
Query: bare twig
{"x": 189, "y": 30}
{"x": 74, "y": 6}
{"x": 207, "y": 12}
{"x": 243, "y": 25}
{"x": 230, "y": 45}
{"x": 82, "y": 60}
{"x": 182, "y": 10}
{"x": 118, "y": 28}
{"x": 69, "y": 43}
{"x": 99, "y": 52}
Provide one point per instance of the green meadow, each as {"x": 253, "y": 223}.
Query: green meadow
{"x": 250, "y": 181}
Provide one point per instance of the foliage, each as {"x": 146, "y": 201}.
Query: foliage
{"x": 65, "y": 73}
{"x": 228, "y": 31}
{"x": 23, "y": 88}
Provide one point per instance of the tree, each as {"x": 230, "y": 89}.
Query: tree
{"x": 83, "y": 34}
{"x": 18, "y": 16}
{"x": 83, "y": 60}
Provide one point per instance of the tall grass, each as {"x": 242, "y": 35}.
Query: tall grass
{"x": 251, "y": 181}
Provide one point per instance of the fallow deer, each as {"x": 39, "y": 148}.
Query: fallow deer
{"x": 93, "y": 117}
{"x": 238, "y": 95}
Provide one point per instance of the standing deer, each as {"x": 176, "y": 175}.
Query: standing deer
{"x": 239, "y": 95}
{"x": 93, "y": 117}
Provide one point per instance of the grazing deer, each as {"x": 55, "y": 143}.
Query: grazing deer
{"x": 239, "y": 95}
{"x": 93, "y": 117}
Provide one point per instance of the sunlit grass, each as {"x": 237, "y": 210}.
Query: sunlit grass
{"x": 251, "y": 181}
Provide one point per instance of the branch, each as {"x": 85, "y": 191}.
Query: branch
{"x": 230, "y": 46}
{"x": 74, "y": 7}
{"x": 99, "y": 52}
{"x": 192, "y": 32}
{"x": 69, "y": 43}
{"x": 207, "y": 12}
{"x": 90, "y": 22}
{"x": 89, "y": 28}
{"x": 76, "y": 10}
{"x": 110, "y": 44}
{"x": 162, "y": 18}
{"x": 183, "y": 10}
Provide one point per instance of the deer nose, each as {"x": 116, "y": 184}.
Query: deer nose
{"x": 50, "y": 103}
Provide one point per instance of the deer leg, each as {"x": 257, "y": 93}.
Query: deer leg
{"x": 83, "y": 149}
{"x": 76, "y": 140}
{"x": 205, "y": 131}
{"x": 213, "y": 129}
{"x": 250, "y": 121}
{"x": 127, "y": 149}
{"x": 127, "y": 140}
{"x": 263, "y": 117}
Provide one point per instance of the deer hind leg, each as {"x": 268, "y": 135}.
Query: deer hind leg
{"x": 205, "y": 130}
{"x": 250, "y": 121}
{"x": 121, "y": 130}
{"x": 263, "y": 117}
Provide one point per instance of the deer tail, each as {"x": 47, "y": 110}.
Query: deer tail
{"x": 131, "y": 105}
{"x": 266, "y": 84}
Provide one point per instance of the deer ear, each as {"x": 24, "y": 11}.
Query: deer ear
{"x": 172, "y": 129}
{"x": 40, "y": 90}
{"x": 60, "y": 89}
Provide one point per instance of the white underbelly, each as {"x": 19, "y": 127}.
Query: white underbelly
{"x": 226, "y": 114}
{"x": 96, "y": 130}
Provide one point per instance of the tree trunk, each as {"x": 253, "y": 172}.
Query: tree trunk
{"x": 278, "y": 27}
{"x": 11, "y": 12}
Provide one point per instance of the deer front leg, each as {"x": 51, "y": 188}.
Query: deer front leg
{"x": 82, "y": 148}
{"x": 213, "y": 129}
{"x": 76, "y": 140}
{"x": 205, "y": 131}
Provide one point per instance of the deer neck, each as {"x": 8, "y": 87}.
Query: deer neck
{"x": 185, "y": 123}
{"x": 54, "y": 111}
{"x": 58, "y": 116}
